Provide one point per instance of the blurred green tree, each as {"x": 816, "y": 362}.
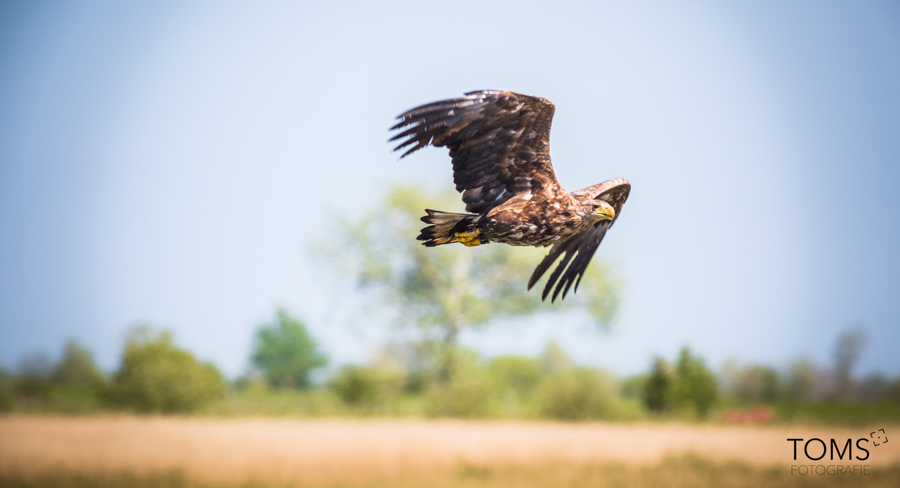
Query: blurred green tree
{"x": 754, "y": 383}
{"x": 32, "y": 380}
{"x": 580, "y": 394}
{"x": 846, "y": 354}
{"x": 801, "y": 382}
{"x": 468, "y": 393}
{"x": 6, "y": 391}
{"x": 76, "y": 369}
{"x": 554, "y": 359}
{"x": 356, "y": 385}
{"x": 872, "y": 388}
{"x": 156, "y": 376}
{"x": 891, "y": 392}
{"x": 771, "y": 384}
{"x": 516, "y": 373}
{"x": 286, "y": 352}
{"x": 695, "y": 386}
{"x": 568, "y": 392}
{"x": 368, "y": 387}
{"x": 633, "y": 387}
{"x": 446, "y": 289}
{"x": 658, "y": 386}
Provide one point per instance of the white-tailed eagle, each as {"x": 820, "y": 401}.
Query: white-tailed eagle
{"x": 499, "y": 142}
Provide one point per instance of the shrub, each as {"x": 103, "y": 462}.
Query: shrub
{"x": 554, "y": 359}
{"x": 467, "y": 393}
{"x": 755, "y": 384}
{"x": 658, "y": 386}
{"x": 695, "y": 385}
{"x": 801, "y": 382}
{"x": 286, "y": 353}
{"x": 6, "y": 392}
{"x": 356, "y": 385}
{"x": 516, "y": 373}
{"x": 156, "y": 376}
{"x": 77, "y": 369}
{"x": 891, "y": 392}
{"x": 33, "y": 379}
{"x": 633, "y": 386}
{"x": 367, "y": 386}
{"x": 580, "y": 394}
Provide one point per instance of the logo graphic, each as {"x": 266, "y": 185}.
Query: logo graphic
{"x": 882, "y": 438}
{"x": 815, "y": 449}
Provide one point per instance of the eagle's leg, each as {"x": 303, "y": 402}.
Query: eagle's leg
{"x": 469, "y": 238}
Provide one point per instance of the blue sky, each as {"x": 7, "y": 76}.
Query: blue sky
{"x": 173, "y": 164}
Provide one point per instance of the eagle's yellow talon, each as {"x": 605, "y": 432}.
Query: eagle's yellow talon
{"x": 468, "y": 239}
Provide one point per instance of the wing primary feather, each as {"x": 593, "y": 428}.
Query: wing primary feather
{"x": 577, "y": 252}
{"x": 408, "y": 132}
{"x": 586, "y": 248}
{"x": 566, "y": 279}
{"x": 575, "y": 269}
{"x": 405, "y": 143}
{"x": 570, "y": 249}
{"x": 555, "y": 275}
{"x": 547, "y": 262}
{"x": 596, "y": 238}
{"x": 441, "y": 106}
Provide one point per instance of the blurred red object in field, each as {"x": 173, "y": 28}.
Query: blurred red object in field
{"x": 759, "y": 415}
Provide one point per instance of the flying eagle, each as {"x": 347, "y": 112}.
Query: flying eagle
{"x": 499, "y": 142}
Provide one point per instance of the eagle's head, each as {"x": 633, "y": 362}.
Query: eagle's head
{"x": 600, "y": 210}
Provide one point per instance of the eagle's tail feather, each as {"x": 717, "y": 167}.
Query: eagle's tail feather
{"x": 447, "y": 227}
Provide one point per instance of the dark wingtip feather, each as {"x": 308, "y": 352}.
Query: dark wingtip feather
{"x": 427, "y": 121}
{"x": 555, "y": 276}
{"x": 403, "y": 123}
{"x": 578, "y": 251}
{"x": 545, "y": 264}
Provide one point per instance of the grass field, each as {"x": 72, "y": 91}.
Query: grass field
{"x": 197, "y": 452}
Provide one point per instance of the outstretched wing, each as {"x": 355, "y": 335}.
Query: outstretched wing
{"x": 499, "y": 142}
{"x": 578, "y": 250}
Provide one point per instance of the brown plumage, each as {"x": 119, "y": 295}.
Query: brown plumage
{"x": 499, "y": 143}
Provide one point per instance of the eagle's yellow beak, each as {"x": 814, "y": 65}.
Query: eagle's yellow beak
{"x": 605, "y": 211}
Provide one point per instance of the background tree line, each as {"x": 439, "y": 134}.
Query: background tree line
{"x": 157, "y": 376}
{"x": 436, "y": 293}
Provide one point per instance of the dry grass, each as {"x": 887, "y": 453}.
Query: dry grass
{"x": 208, "y": 452}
